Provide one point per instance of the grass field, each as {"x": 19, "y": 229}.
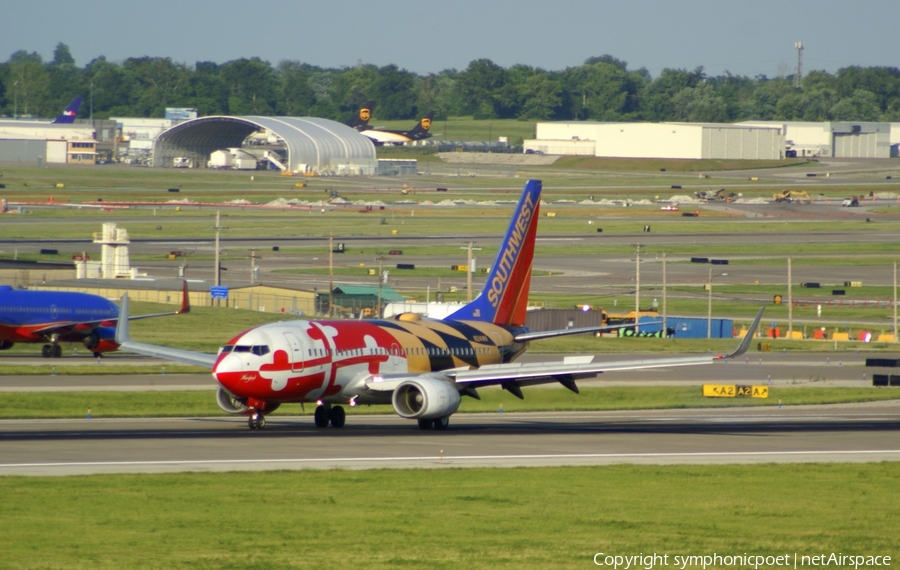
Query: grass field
{"x": 478, "y": 518}
{"x": 447, "y": 518}
{"x": 202, "y": 403}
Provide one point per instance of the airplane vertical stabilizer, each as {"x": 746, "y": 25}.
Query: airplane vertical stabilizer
{"x": 360, "y": 121}
{"x": 420, "y": 131}
{"x": 69, "y": 114}
{"x": 504, "y": 298}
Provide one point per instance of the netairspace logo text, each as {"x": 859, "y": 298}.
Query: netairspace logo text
{"x": 795, "y": 560}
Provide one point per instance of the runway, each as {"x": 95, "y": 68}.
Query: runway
{"x": 840, "y": 433}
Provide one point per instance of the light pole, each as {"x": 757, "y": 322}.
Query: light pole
{"x": 92, "y": 103}
{"x": 470, "y": 267}
{"x": 16, "y": 103}
{"x": 709, "y": 301}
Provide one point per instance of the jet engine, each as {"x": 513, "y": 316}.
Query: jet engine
{"x": 425, "y": 398}
{"x": 234, "y": 405}
{"x": 101, "y": 339}
{"x": 6, "y": 344}
{"x": 228, "y": 402}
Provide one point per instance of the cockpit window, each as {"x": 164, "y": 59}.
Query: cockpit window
{"x": 258, "y": 350}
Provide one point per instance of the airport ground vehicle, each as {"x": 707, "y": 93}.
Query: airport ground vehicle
{"x": 792, "y": 196}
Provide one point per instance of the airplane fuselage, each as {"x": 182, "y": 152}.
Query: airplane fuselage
{"x": 25, "y": 315}
{"x": 332, "y": 361}
{"x": 386, "y": 137}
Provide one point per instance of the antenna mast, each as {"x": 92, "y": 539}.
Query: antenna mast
{"x": 799, "y": 75}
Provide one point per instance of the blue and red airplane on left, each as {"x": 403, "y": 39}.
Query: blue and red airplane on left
{"x": 52, "y": 317}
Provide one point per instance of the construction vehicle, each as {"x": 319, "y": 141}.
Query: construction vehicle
{"x": 798, "y": 196}
{"x": 719, "y": 195}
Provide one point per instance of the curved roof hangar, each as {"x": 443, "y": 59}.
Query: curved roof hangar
{"x": 312, "y": 143}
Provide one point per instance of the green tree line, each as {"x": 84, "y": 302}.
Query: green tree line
{"x": 601, "y": 89}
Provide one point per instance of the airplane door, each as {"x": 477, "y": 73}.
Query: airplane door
{"x": 396, "y": 353}
{"x": 296, "y": 351}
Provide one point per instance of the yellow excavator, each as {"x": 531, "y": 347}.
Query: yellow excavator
{"x": 798, "y": 196}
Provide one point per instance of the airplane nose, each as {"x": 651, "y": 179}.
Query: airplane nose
{"x": 228, "y": 367}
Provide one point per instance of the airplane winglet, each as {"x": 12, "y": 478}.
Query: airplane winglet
{"x": 748, "y": 338}
{"x": 185, "y": 300}
{"x": 122, "y": 324}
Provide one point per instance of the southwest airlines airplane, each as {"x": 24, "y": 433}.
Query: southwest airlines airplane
{"x": 52, "y": 317}
{"x": 422, "y": 367}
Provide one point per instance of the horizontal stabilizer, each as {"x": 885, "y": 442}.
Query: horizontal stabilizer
{"x": 164, "y": 352}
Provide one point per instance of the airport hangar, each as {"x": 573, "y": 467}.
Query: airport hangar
{"x": 751, "y": 140}
{"x": 309, "y": 144}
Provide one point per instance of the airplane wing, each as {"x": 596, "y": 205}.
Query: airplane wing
{"x": 514, "y": 375}
{"x": 173, "y": 354}
{"x": 581, "y": 330}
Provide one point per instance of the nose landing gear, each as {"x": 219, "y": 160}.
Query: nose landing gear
{"x": 256, "y": 420}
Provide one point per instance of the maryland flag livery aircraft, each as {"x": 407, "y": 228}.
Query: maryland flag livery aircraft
{"x": 420, "y": 366}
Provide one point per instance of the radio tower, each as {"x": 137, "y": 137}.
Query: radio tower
{"x": 799, "y": 75}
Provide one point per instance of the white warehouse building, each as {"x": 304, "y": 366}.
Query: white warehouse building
{"x": 839, "y": 139}
{"x": 660, "y": 140}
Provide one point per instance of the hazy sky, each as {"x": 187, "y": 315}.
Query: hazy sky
{"x": 744, "y": 37}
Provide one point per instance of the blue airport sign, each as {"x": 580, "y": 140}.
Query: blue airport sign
{"x": 218, "y": 292}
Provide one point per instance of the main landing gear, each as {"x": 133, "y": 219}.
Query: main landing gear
{"x": 51, "y": 351}
{"x": 326, "y": 414}
{"x": 439, "y": 424}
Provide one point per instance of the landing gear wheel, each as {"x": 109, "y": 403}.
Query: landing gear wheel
{"x": 256, "y": 420}
{"x": 426, "y": 424}
{"x": 322, "y": 416}
{"x": 46, "y": 351}
{"x": 338, "y": 417}
{"x": 98, "y": 354}
{"x": 57, "y": 351}
{"x": 441, "y": 424}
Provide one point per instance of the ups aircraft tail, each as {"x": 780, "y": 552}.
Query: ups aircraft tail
{"x": 70, "y": 112}
{"x": 360, "y": 121}
{"x": 504, "y": 298}
{"x": 420, "y": 131}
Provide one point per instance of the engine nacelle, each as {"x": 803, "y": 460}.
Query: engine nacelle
{"x": 234, "y": 405}
{"x": 231, "y": 404}
{"x": 425, "y": 398}
{"x": 101, "y": 339}
{"x": 6, "y": 344}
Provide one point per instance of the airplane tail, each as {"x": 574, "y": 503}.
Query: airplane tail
{"x": 360, "y": 121}
{"x": 420, "y": 131}
{"x": 69, "y": 114}
{"x": 504, "y": 298}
